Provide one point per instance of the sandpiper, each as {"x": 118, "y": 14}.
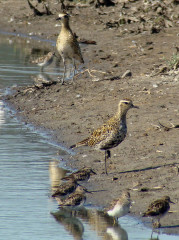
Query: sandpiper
{"x": 75, "y": 199}
{"x": 81, "y": 175}
{"x": 158, "y": 209}
{"x": 67, "y": 44}
{"x": 44, "y": 61}
{"x": 120, "y": 206}
{"x": 66, "y": 188}
{"x": 110, "y": 134}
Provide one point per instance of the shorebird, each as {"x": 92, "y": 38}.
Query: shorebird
{"x": 120, "y": 206}
{"x": 66, "y": 188}
{"x": 81, "y": 175}
{"x": 67, "y": 44}
{"x": 110, "y": 134}
{"x": 75, "y": 199}
{"x": 44, "y": 61}
{"x": 158, "y": 209}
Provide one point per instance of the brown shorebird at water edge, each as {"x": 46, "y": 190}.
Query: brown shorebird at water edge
{"x": 81, "y": 175}
{"x": 75, "y": 199}
{"x": 44, "y": 61}
{"x": 66, "y": 188}
{"x": 158, "y": 209}
{"x": 110, "y": 134}
{"x": 120, "y": 207}
{"x": 67, "y": 44}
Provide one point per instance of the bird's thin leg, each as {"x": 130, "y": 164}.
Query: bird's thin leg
{"x": 105, "y": 162}
{"x": 152, "y": 228}
{"x": 158, "y": 223}
{"x": 152, "y": 233}
{"x": 108, "y": 153}
{"x": 74, "y": 69}
{"x": 64, "y": 71}
{"x": 116, "y": 220}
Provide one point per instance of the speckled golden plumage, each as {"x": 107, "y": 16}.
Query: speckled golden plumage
{"x": 158, "y": 209}
{"x": 80, "y": 175}
{"x": 67, "y": 44}
{"x": 66, "y": 188}
{"x": 110, "y": 134}
{"x": 75, "y": 199}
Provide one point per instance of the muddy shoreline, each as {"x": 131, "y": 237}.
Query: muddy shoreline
{"x": 147, "y": 161}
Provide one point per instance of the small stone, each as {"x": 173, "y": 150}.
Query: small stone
{"x": 128, "y": 73}
{"x": 114, "y": 178}
{"x": 144, "y": 189}
{"x": 155, "y": 85}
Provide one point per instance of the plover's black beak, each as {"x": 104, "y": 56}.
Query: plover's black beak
{"x": 171, "y": 202}
{"x": 59, "y": 18}
{"x": 135, "y": 106}
{"x": 93, "y": 172}
{"x": 87, "y": 191}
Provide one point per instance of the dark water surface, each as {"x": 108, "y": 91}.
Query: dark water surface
{"x": 29, "y": 168}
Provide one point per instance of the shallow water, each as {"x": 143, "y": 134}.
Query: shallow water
{"x": 29, "y": 168}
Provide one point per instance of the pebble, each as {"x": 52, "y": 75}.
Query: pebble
{"x": 128, "y": 73}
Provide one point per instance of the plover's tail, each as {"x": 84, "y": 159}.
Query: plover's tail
{"x": 146, "y": 214}
{"x": 73, "y": 146}
{"x": 82, "y": 143}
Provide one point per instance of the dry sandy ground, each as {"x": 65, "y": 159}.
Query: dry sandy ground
{"x": 147, "y": 161}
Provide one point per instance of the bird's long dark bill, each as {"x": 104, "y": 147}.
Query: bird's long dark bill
{"x": 172, "y": 202}
{"x": 88, "y": 191}
{"x": 135, "y": 106}
{"x": 58, "y": 18}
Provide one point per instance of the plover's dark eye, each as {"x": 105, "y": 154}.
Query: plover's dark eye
{"x": 126, "y": 103}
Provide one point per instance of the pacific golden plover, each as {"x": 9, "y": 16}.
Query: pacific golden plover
{"x": 158, "y": 209}
{"x": 81, "y": 175}
{"x": 120, "y": 207}
{"x": 110, "y": 134}
{"x": 66, "y": 188}
{"x": 67, "y": 44}
{"x": 44, "y": 61}
{"x": 75, "y": 199}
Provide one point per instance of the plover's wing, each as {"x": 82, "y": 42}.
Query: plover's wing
{"x": 157, "y": 207}
{"x": 77, "y": 51}
{"x": 102, "y": 133}
{"x": 64, "y": 191}
{"x": 74, "y": 200}
{"x": 111, "y": 205}
{"x": 160, "y": 207}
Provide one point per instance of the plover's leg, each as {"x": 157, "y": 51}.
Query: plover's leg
{"x": 108, "y": 153}
{"x": 105, "y": 161}
{"x": 151, "y": 233}
{"x": 64, "y": 70}
{"x": 41, "y": 68}
{"x": 74, "y": 69}
{"x": 158, "y": 223}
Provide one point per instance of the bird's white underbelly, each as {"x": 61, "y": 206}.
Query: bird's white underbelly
{"x": 118, "y": 211}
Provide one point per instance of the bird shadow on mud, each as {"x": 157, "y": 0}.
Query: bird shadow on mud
{"x": 149, "y": 168}
{"x": 171, "y": 226}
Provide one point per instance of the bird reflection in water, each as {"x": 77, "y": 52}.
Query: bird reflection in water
{"x": 72, "y": 224}
{"x": 42, "y": 78}
{"x": 56, "y": 173}
{"x": 98, "y": 221}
